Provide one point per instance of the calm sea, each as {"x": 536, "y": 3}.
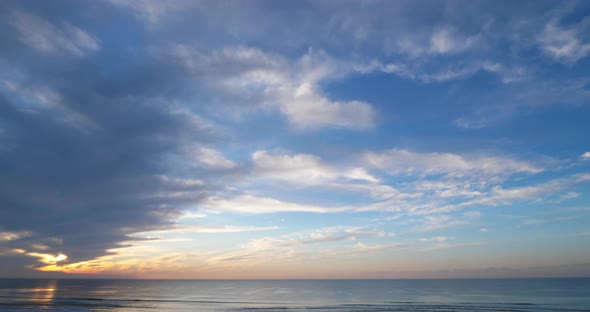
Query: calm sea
{"x": 296, "y": 295}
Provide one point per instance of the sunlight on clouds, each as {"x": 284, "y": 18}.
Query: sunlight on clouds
{"x": 9, "y": 236}
{"x": 48, "y": 258}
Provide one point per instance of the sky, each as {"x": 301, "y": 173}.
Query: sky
{"x": 294, "y": 139}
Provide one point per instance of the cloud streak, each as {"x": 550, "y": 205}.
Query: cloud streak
{"x": 46, "y": 37}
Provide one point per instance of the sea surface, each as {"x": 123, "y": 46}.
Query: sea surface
{"x": 296, "y": 295}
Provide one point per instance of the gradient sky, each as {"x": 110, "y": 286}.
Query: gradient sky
{"x": 294, "y": 139}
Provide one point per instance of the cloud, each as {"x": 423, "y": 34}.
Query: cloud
{"x": 34, "y": 99}
{"x": 444, "y": 40}
{"x": 536, "y": 94}
{"x": 437, "y": 222}
{"x": 252, "y": 204}
{"x": 585, "y": 156}
{"x": 181, "y": 228}
{"x": 428, "y": 74}
{"x": 48, "y": 258}
{"x": 320, "y": 236}
{"x": 46, "y": 37}
{"x": 306, "y": 108}
{"x": 498, "y": 195}
{"x": 213, "y": 158}
{"x": 439, "y": 40}
{"x": 153, "y": 11}
{"x": 436, "y": 239}
{"x": 370, "y": 247}
{"x": 439, "y": 246}
{"x": 397, "y": 162}
{"x": 565, "y": 44}
{"x": 9, "y": 236}
{"x": 303, "y": 169}
{"x": 271, "y": 81}
{"x": 88, "y": 158}
{"x": 293, "y": 247}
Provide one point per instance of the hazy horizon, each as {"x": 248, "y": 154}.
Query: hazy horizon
{"x": 294, "y": 139}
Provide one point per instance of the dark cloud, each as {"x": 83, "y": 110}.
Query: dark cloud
{"x": 86, "y": 149}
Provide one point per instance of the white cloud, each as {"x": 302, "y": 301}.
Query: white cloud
{"x": 416, "y": 71}
{"x": 445, "y": 40}
{"x": 564, "y": 44}
{"x": 193, "y": 216}
{"x": 376, "y": 191}
{"x": 438, "y": 222}
{"x": 436, "y": 239}
{"x": 397, "y": 162}
{"x": 306, "y": 108}
{"x": 325, "y": 235}
{"x": 369, "y": 247}
{"x": 439, "y": 246}
{"x": 185, "y": 228}
{"x": 303, "y": 169}
{"x": 213, "y": 158}
{"x": 46, "y": 37}
{"x": 252, "y": 204}
{"x": 442, "y": 40}
{"x": 585, "y": 156}
{"x": 222, "y": 229}
{"x": 498, "y": 195}
{"x": 446, "y": 188}
{"x": 270, "y": 81}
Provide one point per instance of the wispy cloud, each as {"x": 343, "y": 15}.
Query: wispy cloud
{"x": 9, "y": 236}
{"x": 405, "y": 162}
{"x": 153, "y": 11}
{"x": 46, "y": 37}
{"x": 565, "y": 44}
{"x": 181, "y": 228}
{"x": 325, "y": 235}
{"x": 252, "y": 204}
{"x": 443, "y": 245}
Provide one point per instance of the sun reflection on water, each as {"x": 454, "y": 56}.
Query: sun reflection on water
{"x": 44, "y": 294}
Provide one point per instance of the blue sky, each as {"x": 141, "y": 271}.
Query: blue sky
{"x": 304, "y": 139}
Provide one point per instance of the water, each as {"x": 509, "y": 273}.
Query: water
{"x": 296, "y": 295}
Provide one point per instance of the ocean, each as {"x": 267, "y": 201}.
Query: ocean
{"x": 562, "y": 294}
